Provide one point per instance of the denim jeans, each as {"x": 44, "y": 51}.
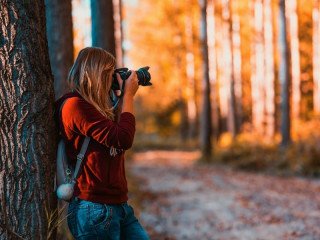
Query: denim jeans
{"x": 89, "y": 221}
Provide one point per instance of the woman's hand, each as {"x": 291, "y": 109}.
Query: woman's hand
{"x": 131, "y": 85}
{"x": 130, "y": 89}
{"x": 120, "y": 81}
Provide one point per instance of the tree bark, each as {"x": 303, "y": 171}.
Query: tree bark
{"x": 223, "y": 68}
{"x": 237, "y": 65}
{"x": 258, "y": 69}
{"x": 316, "y": 56}
{"x": 215, "y": 110}
{"x": 292, "y": 19}
{"x": 206, "y": 129}
{"x": 269, "y": 70}
{"x": 27, "y": 131}
{"x": 103, "y": 25}
{"x": 60, "y": 41}
{"x": 232, "y": 114}
{"x": 284, "y": 76}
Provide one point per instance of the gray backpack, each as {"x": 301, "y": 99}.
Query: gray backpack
{"x": 66, "y": 173}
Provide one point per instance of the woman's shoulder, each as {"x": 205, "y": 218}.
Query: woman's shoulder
{"x": 70, "y": 97}
{"x": 75, "y": 103}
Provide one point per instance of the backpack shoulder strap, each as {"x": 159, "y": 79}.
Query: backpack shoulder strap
{"x": 80, "y": 156}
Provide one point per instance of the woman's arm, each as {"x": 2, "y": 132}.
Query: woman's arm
{"x": 130, "y": 89}
{"x": 83, "y": 118}
{"x": 80, "y": 116}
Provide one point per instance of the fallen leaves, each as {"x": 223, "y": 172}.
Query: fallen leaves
{"x": 187, "y": 201}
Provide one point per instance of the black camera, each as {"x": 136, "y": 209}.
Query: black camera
{"x": 143, "y": 75}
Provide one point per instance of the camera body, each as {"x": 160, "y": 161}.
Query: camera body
{"x": 143, "y": 75}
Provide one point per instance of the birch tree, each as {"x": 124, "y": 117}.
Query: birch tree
{"x": 214, "y": 86}
{"x": 258, "y": 68}
{"x": 269, "y": 63}
{"x": 263, "y": 68}
{"x": 292, "y": 19}
{"x": 27, "y": 130}
{"x": 237, "y": 65}
{"x": 223, "y": 69}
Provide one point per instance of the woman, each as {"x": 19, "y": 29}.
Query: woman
{"x": 99, "y": 209}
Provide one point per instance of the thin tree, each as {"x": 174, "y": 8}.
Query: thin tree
{"x": 192, "y": 108}
{"x": 27, "y": 130}
{"x": 258, "y": 68}
{"x": 269, "y": 69}
{"x": 237, "y": 67}
{"x": 284, "y": 76}
{"x": 292, "y": 19}
{"x": 316, "y": 56}
{"x": 60, "y": 41}
{"x": 103, "y": 28}
{"x": 215, "y": 110}
{"x": 118, "y": 32}
{"x": 206, "y": 129}
{"x": 234, "y": 74}
{"x": 223, "y": 66}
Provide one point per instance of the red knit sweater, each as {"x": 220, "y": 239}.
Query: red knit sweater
{"x": 102, "y": 176}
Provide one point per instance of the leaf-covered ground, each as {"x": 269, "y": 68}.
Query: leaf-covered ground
{"x": 182, "y": 200}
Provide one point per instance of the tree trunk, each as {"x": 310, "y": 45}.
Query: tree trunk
{"x": 60, "y": 42}
{"x": 232, "y": 114}
{"x": 227, "y": 19}
{"x": 223, "y": 69}
{"x": 284, "y": 76}
{"x": 295, "y": 56}
{"x": 27, "y": 130}
{"x": 269, "y": 70}
{"x": 237, "y": 65}
{"x": 258, "y": 70}
{"x": 215, "y": 110}
{"x": 103, "y": 25}
{"x": 118, "y": 31}
{"x": 190, "y": 74}
{"x": 316, "y": 56}
{"x": 205, "y": 131}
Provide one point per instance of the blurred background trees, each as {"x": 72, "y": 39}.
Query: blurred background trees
{"x": 263, "y": 78}
{"x": 233, "y": 76}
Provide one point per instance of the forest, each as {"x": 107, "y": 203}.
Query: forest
{"x": 241, "y": 77}
{"x": 227, "y": 141}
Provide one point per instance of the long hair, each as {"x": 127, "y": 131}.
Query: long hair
{"x": 91, "y": 77}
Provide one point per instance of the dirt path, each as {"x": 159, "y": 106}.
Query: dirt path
{"x": 186, "y": 201}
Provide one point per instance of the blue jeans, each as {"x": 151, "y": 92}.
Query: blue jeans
{"x": 89, "y": 221}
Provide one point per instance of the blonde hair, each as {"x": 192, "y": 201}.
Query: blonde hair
{"x": 91, "y": 77}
